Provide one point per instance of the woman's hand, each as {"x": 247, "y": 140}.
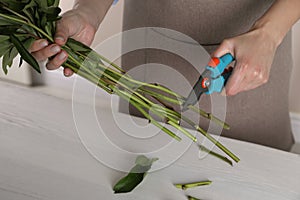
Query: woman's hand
{"x": 73, "y": 24}
{"x": 254, "y": 53}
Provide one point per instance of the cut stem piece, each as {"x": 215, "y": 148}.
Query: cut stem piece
{"x": 192, "y": 185}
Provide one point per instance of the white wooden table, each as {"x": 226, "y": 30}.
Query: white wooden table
{"x": 42, "y": 157}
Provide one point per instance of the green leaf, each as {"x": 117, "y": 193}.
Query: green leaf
{"x": 15, "y": 5}
{"x": 5, "y": 47}
{"x": 53, "y": 3}
{"x": 3, "y": 38}
{"x": 42, "y": 3}
{"x": 6, "y": 22}
{"x": 24, "y": 53}
{"x": 144, "y": 161}
{"x": 77, "y": 46}
{"x": 43, "y": 20}
{"x": 136, "y": 175}
{"x": 51, "y": 13}
{"x": 28, "y": 42}
{"x": 29, "y": 10}
{"x": 7, "y": 30}
{"x": 49, "y": 28}
{"x": 8, "y": 58}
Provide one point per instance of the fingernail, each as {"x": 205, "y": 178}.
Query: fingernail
{"x": 55, "y": 49}
{"x": 62, "y": 56}
{"x": 43, "y": 44}
{"x": 61, "y": 39}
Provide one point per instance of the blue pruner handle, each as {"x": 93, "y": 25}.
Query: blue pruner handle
{"x": 217, "y": 66}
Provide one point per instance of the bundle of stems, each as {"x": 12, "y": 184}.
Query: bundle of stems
{"x": 23, "y": 21}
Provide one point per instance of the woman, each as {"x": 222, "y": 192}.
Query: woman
{"x": 255, "y": 32}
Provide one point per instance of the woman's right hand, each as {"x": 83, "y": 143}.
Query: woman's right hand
{"x": 72, "y": 24}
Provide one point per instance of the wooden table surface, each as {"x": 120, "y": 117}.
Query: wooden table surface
{"x": 43, "y": 155}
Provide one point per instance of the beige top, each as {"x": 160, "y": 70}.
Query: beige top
{"x": 259, "y": 116}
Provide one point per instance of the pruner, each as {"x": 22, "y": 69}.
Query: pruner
{"x": 213, "y": 79}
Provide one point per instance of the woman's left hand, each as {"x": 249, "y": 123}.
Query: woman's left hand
{"x": 254, "y": 53}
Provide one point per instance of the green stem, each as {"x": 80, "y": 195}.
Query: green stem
{"x": 193, "y": 108}
{"x": 85, "y": 75}
{"x": 192, "y": 185}
{"x": 137, "y": 105}
{"x": 111, "y": 79}
{"x": 210, "y": 117}
{"x": 13, "y": 19}
{"x": 15, "y": 13}
{"x": 188, "y": 134}
{"x": 218, "y": 144}
{"x": 203, "y": 148}
{"x": 161, "y": 97}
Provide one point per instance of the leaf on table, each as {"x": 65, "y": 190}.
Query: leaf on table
{"x": 135, "y": 176}
{"x": 25, "y": 53}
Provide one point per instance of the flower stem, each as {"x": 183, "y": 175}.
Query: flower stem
{"x": 192, "y": 185}
{"x": 218, "y": 144}
{"x": 203, "y": 148}
{"x": 154, "y": 122}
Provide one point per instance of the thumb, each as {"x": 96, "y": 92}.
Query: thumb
{"x": 62, "y": 32}
{"x": 225, "y": 47}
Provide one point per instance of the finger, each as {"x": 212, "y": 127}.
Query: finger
{"x": 68, "y": 72}
{"x": 251, "y": 87}
{"x": 225, "y": 47}
{"x": 62, "y": 32}
{"x": 57, "y": 61}
{"x": 252, "y": 83}
{"x": 47, "y": 52}
{"x": 235, "y": 82}
{"x": 38, "y": 45}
